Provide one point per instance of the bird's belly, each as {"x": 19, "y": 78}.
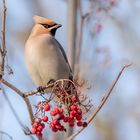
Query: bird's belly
{"x": 45, "y": 62}
{"x": 53, "y": 70}
{"x": 34, "y": 73}
{"x": 42, "y": 70}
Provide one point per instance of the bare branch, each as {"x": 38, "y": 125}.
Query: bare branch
{"x": 12, "y": 108}
{"x": 21, "y": 95}
{"x": 14, "y": 113}
{"x": 3, "y": 47}
{"x": 71, "y": 40}
{"x": 79, "y": 39}
{"x": 4, "y": 133}
{"x": 51, "y": 85}
{"x": 33, "y": 92}
{"x": 101, "y": 104}
{"x": 3, "y": 52}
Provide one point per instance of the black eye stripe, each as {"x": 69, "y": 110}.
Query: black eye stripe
{"x": 47, "y": 26}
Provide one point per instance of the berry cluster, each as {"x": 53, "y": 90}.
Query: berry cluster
{"x": 63, "y": 107}
{"x": 56, "y": 117}
{"x": 37, "y": 127}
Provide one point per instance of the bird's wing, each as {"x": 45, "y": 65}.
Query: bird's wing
{"x": 66, "y": 59}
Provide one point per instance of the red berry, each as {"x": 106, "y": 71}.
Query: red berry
{"x": 40, "y": 128}
{"x": 56, "y": 109}
{"x": 71, "y": 118}
{"x": 47, "y": 107}
{"x": 39, "y": 134}
{"x": 62, "y": 128}
{"x": 35, "y": 125}
{"x": 37, "y": 120}
{"x": 54, "y": 129}
{"x": 33, "y": 130}
{"x": 58, "y": 126}
{"x": 85, "y": 124}
{"x": 45, "y": 118}
{"x": 112, "y": 2}
{"x": 74, "y": 100}
{"x": 53, "y": 113}
{"x": 73, "y": 107}
{"x": 60, "y": 111}
{"x": 71, "y": 124}
{"x": 79, "y": 123}
{"x": 61, "y": 116}
{"x": 66, "y": 119}
{"x": 42, "y": 125}
{"x": 78, "y": 117}
{"x": 79, "y": 112}
{"x": 52, "y": 125}
{"x": 55, "y": 121}
{"x": 73, "y": 113}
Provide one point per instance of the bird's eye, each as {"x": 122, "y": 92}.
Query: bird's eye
{"x": 45, "y": 25}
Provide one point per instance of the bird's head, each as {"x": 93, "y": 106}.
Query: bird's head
{"x": 44, "y": 25}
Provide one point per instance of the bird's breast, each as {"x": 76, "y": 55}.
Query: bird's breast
{"x": 44, "y": 60}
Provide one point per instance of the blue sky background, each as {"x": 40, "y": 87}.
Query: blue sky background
{"x": 119, "y": 36}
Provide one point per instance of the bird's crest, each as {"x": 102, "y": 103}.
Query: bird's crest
{"x": 42, "y": 20}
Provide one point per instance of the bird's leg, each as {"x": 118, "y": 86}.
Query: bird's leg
{"x": 41, "y": 89}
{"x": 51, "y": 81}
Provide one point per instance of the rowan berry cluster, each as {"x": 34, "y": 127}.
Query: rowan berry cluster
{"x": 56, "y": 117}
{"x": 66, "y": 109}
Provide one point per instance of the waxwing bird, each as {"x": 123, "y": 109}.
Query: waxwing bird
{"x": 44, "y": 56}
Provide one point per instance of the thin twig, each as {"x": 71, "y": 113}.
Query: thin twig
{"x": 4, "y": 133}
{"x": 2, "y": 65}
{"x": 101, "y": 104}
{"x": 12, "y": 108}
{"x": 21, "y": 95}
{"x": 14, "y": 112}
{"x": 79, "y": 39}
{"x": 51, "y": 85}
{"x": 33, "y": 92}
{"x": 3, "y": 47}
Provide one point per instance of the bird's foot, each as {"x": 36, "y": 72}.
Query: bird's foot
{"x": 41, "y": 89}
{"x": 51, "y": 81}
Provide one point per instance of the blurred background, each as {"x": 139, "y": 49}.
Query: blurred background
{"x": 106, "y": 35}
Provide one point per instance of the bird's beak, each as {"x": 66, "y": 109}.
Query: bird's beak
{"x": 55, "y": 26}
{"x": 58, "y": 26}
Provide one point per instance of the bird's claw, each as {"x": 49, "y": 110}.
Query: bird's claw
{"x": 41, "y": 89}
{"x": 51, "y": 81}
